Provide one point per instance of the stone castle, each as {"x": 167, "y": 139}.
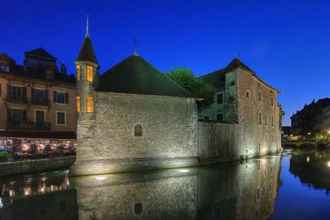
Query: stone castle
{"x": 133, "y": 117}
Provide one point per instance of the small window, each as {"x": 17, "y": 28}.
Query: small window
{"x": 220, "y": 117}
{"x": 259, "y": 96}
{"x": 272, "y": 121}
{"x": 78, "y": 72}
{"x": 90, "y": 104}
{"x": 61, "y": 97}
{"x": 78, "y": 103}
{"x": 232, "y": 83}
{"x": 260, "y": 118}
{"x": 60, "y": 118}
{"x": 4, "y": 68}
{"x": 247, "y": 94}
{"x": 138, "y": 131}
{"x": 90, "y": 74}
{"x": 138, "y": 208}
{"x": 272, "y": 101}
{"x": 207, "y": 118}
{"x": 220, "y": 98}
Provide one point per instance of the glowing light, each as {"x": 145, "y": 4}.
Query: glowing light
{"x": 27, "y": 191}
{"x": 25, "y": 147}
{"x": 1, "y": 204}
{"x": 328, "y": 131}
{"x": 328, "y": 163}
{"x": 309, "y": 133}
{"x": 11, "y": 193}
{"x": 307, "y": 159}
{"x": 184, "y": 170}
{"x": 100, "y": 178}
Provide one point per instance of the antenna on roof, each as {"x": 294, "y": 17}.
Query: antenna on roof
{"x": 87, "y": 27}
{"x": 135, "y": 53}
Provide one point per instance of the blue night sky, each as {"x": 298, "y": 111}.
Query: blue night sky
{"x": 285, "y": 42}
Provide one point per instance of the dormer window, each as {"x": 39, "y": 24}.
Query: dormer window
{"x": 4, "y": 68}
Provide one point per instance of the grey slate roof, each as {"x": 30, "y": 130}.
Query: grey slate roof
{"x": 217, "y": 78}
{"x": 86, "y": 52}
{"x": 137, "y": 76}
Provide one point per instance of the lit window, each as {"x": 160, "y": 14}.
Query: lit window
{"x": 90, "y": 104}
{"x": 78, "y": 72}
{"x": 138, "y": 131}
{"x": 78, "y": 103}
{"x": 89, "y": 76}
{"x": 60, "y": 118}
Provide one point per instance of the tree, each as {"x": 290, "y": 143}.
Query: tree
{"x": 196, "y": 86}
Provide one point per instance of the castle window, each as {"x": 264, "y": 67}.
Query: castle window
{"x": 247, "y": 94}
{"x": 89, "y": 75}
{"x": 220, "y": 117}
{"x": 220, "y": 98}
{"x": 259, "y": 96}
{"x": 272, "y": 101}
{"x": 90, "y": 104}
{"x": 60, "y": 118}
{"x": 78, "y": 72}
{"x": 78, "y": 103}
{"x": 259, "y": 118}
{"x": 138, "y": 208}
{"x": 138, "y": 132}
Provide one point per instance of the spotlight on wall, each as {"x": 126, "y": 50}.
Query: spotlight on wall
{"x": 100, "y": 178}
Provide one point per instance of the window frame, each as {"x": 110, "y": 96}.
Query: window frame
{"x": 65, "y": 118}
{"x": 222, "y": 98}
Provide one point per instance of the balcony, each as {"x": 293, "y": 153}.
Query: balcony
{"x": 17, "y": 99}
{"x": 25, "y": 125}
{"x": 39, "y": 101}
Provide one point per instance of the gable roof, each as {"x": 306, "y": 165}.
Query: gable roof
{"x": 217, "y": 77}
{"x": 40, "y": 53}
{"x": 86, "y": 52}
{"x": 137, "y": 76}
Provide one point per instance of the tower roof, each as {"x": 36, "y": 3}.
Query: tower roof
{"x": 137, "y": 76}
{"x": 86, "y": 51}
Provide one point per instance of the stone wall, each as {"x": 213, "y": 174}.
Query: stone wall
{"x": 259, "y": 116}
{"x": 169, "y": 131}
{"x": 35, "y": 165}
{"x": 217, "y": 141}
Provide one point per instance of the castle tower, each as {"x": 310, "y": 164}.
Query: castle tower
{"x": 86, "y": 69}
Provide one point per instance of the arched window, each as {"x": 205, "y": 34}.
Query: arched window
{"x": 247, "y": 94}
{"x": 259, "y": 118}
{"x": 138, "y": 132}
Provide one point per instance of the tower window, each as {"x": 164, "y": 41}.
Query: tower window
{"x": 78, "y": 72}
{"x": 78, "y": 103}
{"x": 90, "y": 104}
{"x": 138, "y": 132}
{"x": 89, "y": 75}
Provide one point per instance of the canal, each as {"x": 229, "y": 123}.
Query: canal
{"x": 293, "y": 186}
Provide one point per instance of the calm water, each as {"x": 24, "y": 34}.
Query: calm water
{"x": 295, "y": 186}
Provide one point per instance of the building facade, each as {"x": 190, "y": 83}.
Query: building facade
{"x": 36, "y": 98}
{"x": 242, "y": 98}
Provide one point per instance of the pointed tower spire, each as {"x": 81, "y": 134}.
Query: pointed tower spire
{"x": 87, "y": 27}
{"x": 135, "y": 53}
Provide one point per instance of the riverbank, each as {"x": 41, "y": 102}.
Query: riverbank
{"x": 36, "y": 165}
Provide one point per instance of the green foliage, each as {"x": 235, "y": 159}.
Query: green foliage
{"x": 196, "y": 86}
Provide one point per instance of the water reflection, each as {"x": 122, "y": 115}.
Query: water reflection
{"x": 312, "y": 168}
{"x": 232, "y": 191}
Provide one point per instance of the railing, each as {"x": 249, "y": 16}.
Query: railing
{"x": 39, "y": 101}
{"x": 28, "y": 125}
{"x": 17, "y": 99}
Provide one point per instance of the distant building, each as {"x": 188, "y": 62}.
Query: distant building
{"x": 314, "y": 117}
{"x": 36, "y": 98}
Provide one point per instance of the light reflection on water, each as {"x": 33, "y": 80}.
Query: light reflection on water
{"x": 251, "y": 190}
